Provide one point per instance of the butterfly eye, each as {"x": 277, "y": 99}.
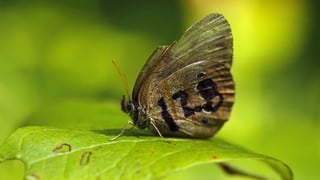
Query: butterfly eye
{"x": 200, "y": 75}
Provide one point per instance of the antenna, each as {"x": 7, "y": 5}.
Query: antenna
{"x": 124, "y": 79}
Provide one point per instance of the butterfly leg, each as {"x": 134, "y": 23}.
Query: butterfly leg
{"x": 155, "y": 127}
{"x": 123, "y": 130}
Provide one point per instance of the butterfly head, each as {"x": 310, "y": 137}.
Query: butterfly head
{"x": 127, "y": 106}
{"x": 137, "y": 114}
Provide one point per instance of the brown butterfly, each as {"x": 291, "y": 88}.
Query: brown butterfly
{"x": 186, "y": 89}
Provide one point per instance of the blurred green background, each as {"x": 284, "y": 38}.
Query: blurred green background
{"x": 59, "y": 52}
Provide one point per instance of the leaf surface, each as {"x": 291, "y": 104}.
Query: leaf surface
{"x": 55, "y": 153}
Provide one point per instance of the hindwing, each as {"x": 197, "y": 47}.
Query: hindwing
{"x": 194, "y": 101}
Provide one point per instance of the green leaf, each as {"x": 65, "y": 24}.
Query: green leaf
{"x": 79, "y": 114}
{"x": 52, "y": 153}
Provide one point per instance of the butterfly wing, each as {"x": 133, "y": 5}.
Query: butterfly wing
{"x": 194, "y": 101}
{"x": 205, "y": 50}
{"x": 147, "y": 69}
{"x": 209, "y": 38}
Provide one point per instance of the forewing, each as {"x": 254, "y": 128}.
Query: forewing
{"x": 209, "y": 39}
{"x": 193, "y": 101}
{"x": 148, "y": 68}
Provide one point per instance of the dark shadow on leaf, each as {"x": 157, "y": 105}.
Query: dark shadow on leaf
{"x": 139, "y": 133}
{"x": 129, "y": 132}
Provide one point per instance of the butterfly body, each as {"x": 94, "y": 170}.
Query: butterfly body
{"x": 186, "y": 89}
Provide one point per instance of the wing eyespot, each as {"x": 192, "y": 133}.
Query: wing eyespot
{"x": 204, "y": 120}
{"x": 201, "y": 75}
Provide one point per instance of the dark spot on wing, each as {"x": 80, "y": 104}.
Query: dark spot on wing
{"x": 207, "y": 107}
{"x": 188, "y": 111}
{"x": 204, "y": 120}
{"x": 207, "y": 89}
{"x": 197, "y": 108}
{"x": 183, "y": 96}
{"x": 200, "y": 75}
{"x": 167, "y": 116}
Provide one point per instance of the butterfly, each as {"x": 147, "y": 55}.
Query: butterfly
{"x": 186, "y": 89}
